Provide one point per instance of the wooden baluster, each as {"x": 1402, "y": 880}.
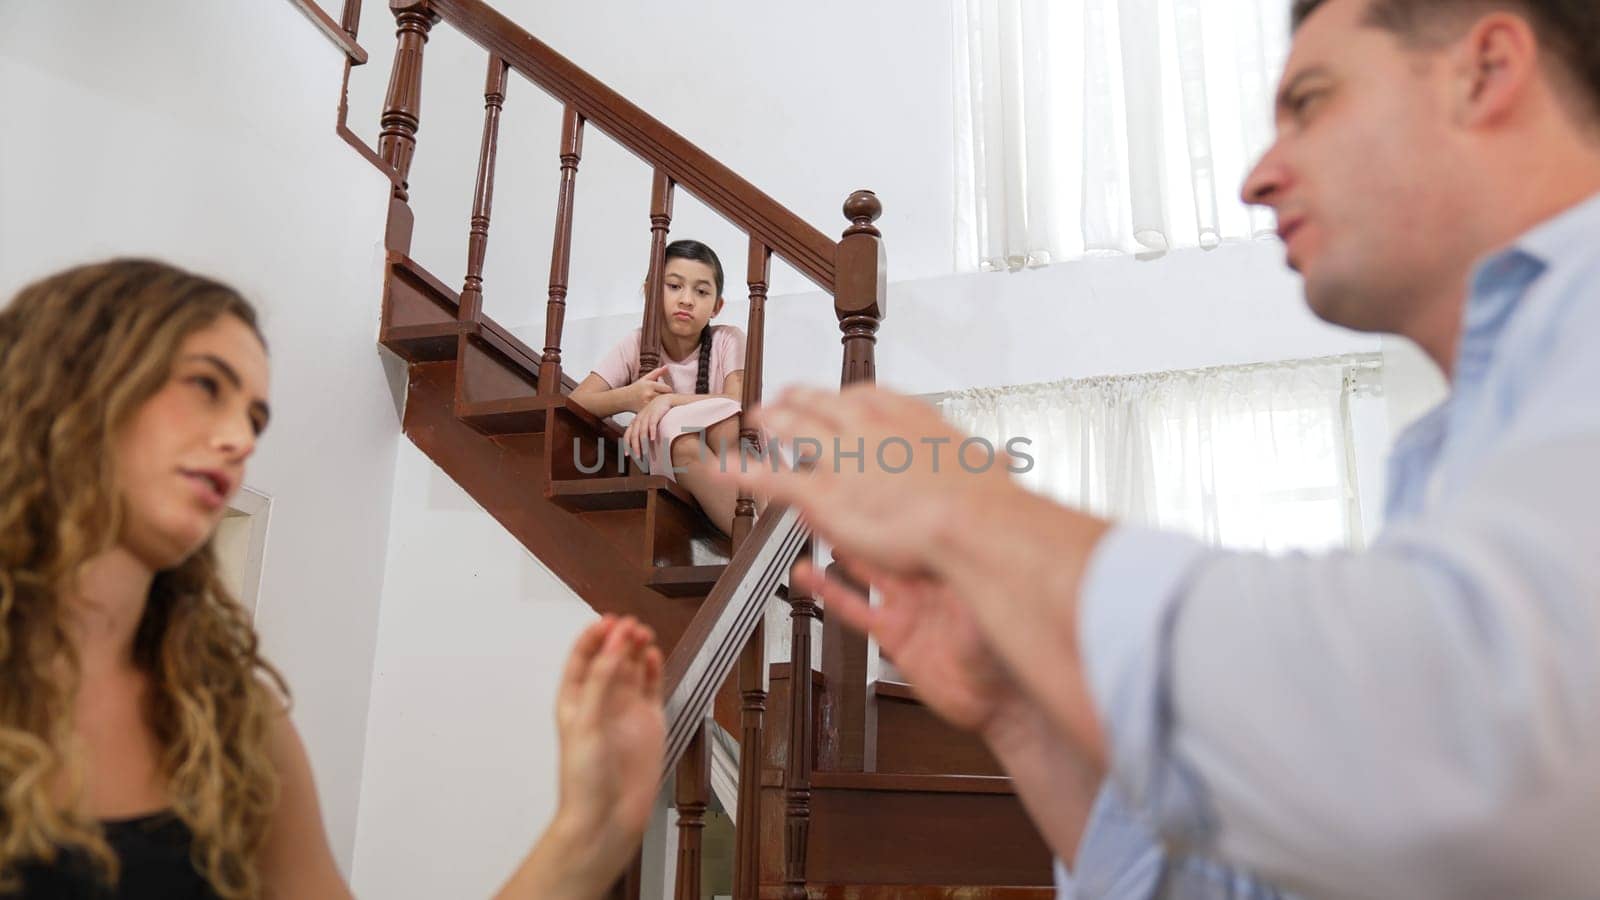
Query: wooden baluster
{"x": 397, "y": 140}
{"x": 860, "y": 290}
{"x": 350, "y": 17}
{"x": 752, "y": 743}
{"x": 660, "y": 221}
{"x": 753, "y": 662}
{"x": 693, "y": 796}
{"x": 760, "y": 273}
{"x": 802, "y": 744}
{"x": 561, "y": 254}
{"x": 494, "y": 98}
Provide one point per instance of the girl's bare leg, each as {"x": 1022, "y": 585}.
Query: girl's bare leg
{"x": 698, "y": 463}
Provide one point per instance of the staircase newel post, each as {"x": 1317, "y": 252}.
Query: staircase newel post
{"x": 693, "y": 795}
{"x": 861, "y": 287}
{"x": 494, "y": 98}
{"x": 660, "y": 222}
{"x": 860, "y": 294}
{"x": 561, "y": 254}
{"x": 802, "y": 744}
{"x": 402, "y": 109}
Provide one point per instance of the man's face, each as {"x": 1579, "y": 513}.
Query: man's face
{"x": 1360, "y": 175}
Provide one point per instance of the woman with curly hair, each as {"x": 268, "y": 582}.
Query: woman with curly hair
{"x": 145, "y": 745}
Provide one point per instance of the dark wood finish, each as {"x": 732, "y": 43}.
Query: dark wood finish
{"x": 561, "y": 253}
{"x": 862, "y": 289}
{"x": 661, "y": 191}
{"x": 510, "y": 415}
{"x": 753, "y": 691}
{"x": 758, "y": 267}
{"x": 507, "y": 475}
{"x": 693, "y": 793}
{"x": 734, "y": 198}
{"x": 911, "y": 740}
{"x": 350, "y": 18}
{"x": 724, "y": 623}
{"x": 920, "y": 829}
{"x": 801, "y": 749}
{"x": 487, "y": 374}
{"x": 618, "y": 492}
{"x": 402, "y": 109}
{"x": 494, "y": 100}
{"x": 685, "y": 581}
{"x": 342, "y": 37}
{"x": 844, "y": 660}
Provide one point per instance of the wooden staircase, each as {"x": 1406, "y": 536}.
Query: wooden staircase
{"x": 848, "y": 789}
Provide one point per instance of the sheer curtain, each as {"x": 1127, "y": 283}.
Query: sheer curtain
{"x": 1109, "y": 126}
{"x": 1258, "y": 457}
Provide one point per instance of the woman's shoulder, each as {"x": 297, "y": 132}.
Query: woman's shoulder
{"x": 726, "y": 333}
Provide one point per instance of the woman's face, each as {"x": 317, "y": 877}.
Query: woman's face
{"x": 181, "y": 457}
{"x": 689, "y": 296}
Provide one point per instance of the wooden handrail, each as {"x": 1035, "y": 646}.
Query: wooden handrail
{"x": 335, "y": 32}
{"x": 800, "y": 244}
{"x": 710, "y": 647}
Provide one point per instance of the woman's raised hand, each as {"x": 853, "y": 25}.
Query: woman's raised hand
{"x": 648, "y": 387}
{"x": 613, "y": 733}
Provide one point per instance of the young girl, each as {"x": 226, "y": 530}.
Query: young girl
{"x": 145, "y": 746}
{"x": 686, "y": 410}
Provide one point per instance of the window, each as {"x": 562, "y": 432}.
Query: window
{"x": 1260, "y": 457}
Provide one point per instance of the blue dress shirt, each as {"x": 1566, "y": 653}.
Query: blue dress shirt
{"x": 1418, "y": 720}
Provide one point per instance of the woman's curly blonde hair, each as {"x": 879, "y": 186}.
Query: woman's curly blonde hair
{"x": 80, "y": 352}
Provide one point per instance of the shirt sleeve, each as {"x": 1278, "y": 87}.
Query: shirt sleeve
{"x": 620, "y": 365}
{"x": 1424, "y": 714}
{"x": 1121, "y": 858}
{"x": 730, "y": 351}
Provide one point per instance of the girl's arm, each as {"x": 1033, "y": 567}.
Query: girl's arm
{"x": 596, "y": 395}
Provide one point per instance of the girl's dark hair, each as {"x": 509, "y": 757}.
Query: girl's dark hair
{"x": 700, "y": 253}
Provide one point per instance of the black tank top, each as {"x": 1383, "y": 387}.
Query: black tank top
{"x": 153, "y": 851}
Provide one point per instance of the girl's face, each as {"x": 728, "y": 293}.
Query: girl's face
{"x": 181, "y": 457}
{"x": 689, "y": 297}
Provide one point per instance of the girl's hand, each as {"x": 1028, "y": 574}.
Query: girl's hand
{"x": 640, "y": 433}
{"x": 649, "y": 386}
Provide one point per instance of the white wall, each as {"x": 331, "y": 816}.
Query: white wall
{"x": 809, "y": 101}
{"x": 202, "y": 133}
{"x": 461, "y": 751}
{"x": 1193, "y": 308}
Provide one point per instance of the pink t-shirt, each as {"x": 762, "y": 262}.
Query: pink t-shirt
{"x": 620, "y": 366}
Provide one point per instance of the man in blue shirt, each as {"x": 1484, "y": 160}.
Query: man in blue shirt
{"x": 1418, "y": 720}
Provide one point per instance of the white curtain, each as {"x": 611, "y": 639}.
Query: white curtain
{"x": 1258, "y": 457}
{"x": 1090, "y": 127}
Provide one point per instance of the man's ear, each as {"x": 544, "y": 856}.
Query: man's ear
{"x": 1493, "y": 67}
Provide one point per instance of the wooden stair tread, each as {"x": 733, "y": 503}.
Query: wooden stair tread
{"x": 428, "y": 342}
{"x": 685, "y": 581}
{"x": 512, "y": 415}
{"x": 898, "y": 690}
{"x": 620, "y": 492}
{"x": 928, "y": 784}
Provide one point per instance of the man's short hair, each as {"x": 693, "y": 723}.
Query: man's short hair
{"x": 1568, "y": 29}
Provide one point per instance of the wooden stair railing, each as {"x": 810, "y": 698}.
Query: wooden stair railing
{"x": 502, "y": 388}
